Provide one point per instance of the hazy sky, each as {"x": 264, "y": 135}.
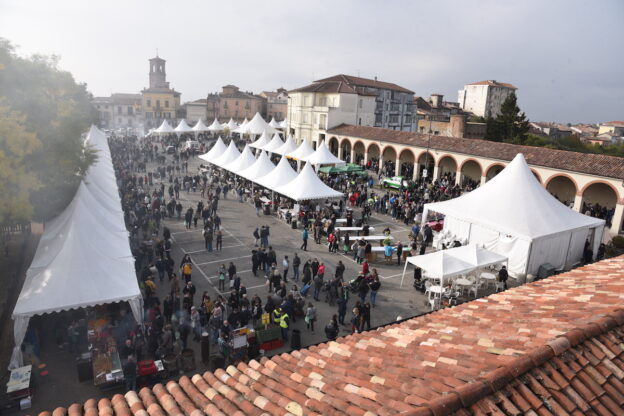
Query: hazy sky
{"x": 566, "y": 57}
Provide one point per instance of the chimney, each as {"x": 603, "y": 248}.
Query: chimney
{"x": 375, "y": 78}
{"x": 436, "y": 100}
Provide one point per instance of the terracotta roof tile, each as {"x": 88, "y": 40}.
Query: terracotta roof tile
{"x": 594, "y": 164}
{"x": 365, "y": 82}
{"x": 550, "y": 347}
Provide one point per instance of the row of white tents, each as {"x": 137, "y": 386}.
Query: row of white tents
{"x": 282, "y": 178}
{"x": 84, "y": 257}
{"x": 256, "y": 126}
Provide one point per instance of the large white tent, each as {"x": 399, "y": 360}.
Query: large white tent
{"x": 257, "y": 125}
{"x": 261, "y": 167}
{"x": 217, "y": 150}
{"x": 199, "y": 126}
{"x": 183, "y": 127}
{"x": 164, "y": 128}
{"x": 70, "y": 268}
{"x": 230, "y": 154}
{"x": 231, "y": 125}
{"x": 284, "y": 123}
{"x": 274, "y": 123}
{"x": 289, "y": 146}
{"x": 245, "y": 160}
{"x": 215, "y": 126}
{"x": 275, "y": 143}
{"x": 281, "y": 175}
{"x": 307, "y": 186}
{"x": 304, "y": 150}
{"x": 262, "y": 141}
{"x": 515, "y": 216}
{"x": 322, "y": 156}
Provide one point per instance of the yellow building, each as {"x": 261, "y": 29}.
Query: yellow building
{"x": 159, "y": 101}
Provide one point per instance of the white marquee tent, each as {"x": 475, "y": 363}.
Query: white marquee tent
{"x": 274, "y": 123}
{"x": 243, "y": 161}
{"x": 262, "y": 141}
{"x": 231, "y": 125}
{"x": 307, "y": 186}
{"x": 275, "y": 143}
{"x": 164, "y": 128}
{"x": 289, "y": 146}
{"x": 199, "y": 126}
{"x": 515, "y": 216}
{"x": 183, "y": 127}
{"x": 284, "y": 123}
{"x": 72, "y": 270}
{"x": 215, "y": 126}
{"x": 217, "y": 150}
{"x": 322, "y": 156}
{"x": 230, "y": 154}
{"x": 304, "y": 150}
{"x": 256, "y": 126}
{"x": 261, "y": 167}
{"x": 281, "y": 175}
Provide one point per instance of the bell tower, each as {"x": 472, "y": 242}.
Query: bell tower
{"x": 157, "y": 74}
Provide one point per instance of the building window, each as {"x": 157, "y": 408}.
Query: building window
{"x": 323, "y": 101}
{"x": 119, "y": 110}
{"x": 166, "y": 103}
{"x": 157, "y": 103}
{"x": 360, "y": 103}
{"x": 360, "y": 121}
{"x": 130, "y": 111}
{"x": 149, "y": 103}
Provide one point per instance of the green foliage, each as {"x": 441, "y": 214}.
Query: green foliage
{"x": 618, "y": 242}
{"x": 47, "y": 103}
{"x": 510, "y": 125}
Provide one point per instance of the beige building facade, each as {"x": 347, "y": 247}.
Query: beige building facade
{"x": 195, "y": 110}
{"x": 574, "y": 178}
{"x": 231, "y": 102}
{"x": 159, "y": 101}
{"x": 484, "y": 98}
{"x": 316, "y": 108}
{"x": 276, "y": 104}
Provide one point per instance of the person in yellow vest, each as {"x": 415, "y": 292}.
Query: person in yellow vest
{"x": 284, "y": 325}
{"x": 276, "y": 315}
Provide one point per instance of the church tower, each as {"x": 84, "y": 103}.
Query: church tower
{"x": 157, "y": 74}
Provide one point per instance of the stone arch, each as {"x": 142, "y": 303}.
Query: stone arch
{"x": 447, "y": 165}
{"x": 471, "y": 170}
{"x": 388, "y": 160}
{"x": 374, "y": 153}
{"x": 563, "y": 187}
{"x": 332, "y": 143}
{"x": 599, "y": 199}
{"x": 426, "y": 160}
{"x": 345, "y": 146}
{"x": 358, "y": 152}
{"x": 406, "y": 162}
{"x": 493, "y": 170}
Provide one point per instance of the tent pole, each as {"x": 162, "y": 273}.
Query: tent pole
{"x": 404, "y": 269}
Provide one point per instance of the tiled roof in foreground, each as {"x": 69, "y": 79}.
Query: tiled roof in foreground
{"x": 593, "y": 164}
{"x": 549, "y": 347}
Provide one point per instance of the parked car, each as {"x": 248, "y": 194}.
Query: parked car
{"x": 394, "y": 182}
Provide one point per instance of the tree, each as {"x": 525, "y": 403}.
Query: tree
{"x": 48, "y": 104}
{"x": 510, "y": 125}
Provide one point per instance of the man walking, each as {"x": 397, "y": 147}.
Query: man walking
{"x": 296, "y": 263}
{"x": 285, "y": 266}
{"x": 304, "y": 237}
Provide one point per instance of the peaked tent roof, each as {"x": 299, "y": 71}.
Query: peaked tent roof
{"x": 241, "y": 126}
{"x": 307, "y": 186}
{"x": 216, "y": 151}
{"x": 302, "y": 151}
{"x": 440, "y": 264}
{"x": 261, "y": 167}
{"x": 476, "y": 256}
{"x": 232, "y": 125}
{"x": 245, "y": 160}
{"x": 200, "y": 126}
{"x": 281, "y": 175}
{"x": 284, "y": 123}
{"x": 257, "y": 125}
{"x": 262, "y": 141}
{"x": 183, "y": 127}
{"x": 289, "y": 146}
{"x": 523, "y": 206}
{"x": 230, "y": 154}
{"x": 274, "y": 123}
{"x": 215, "y": 126}
{"x": 323, "y": 156}
{"x": 275, "y": 143}
{"x": 164, "y": 128}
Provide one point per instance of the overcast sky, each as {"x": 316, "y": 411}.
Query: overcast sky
{"x": 566, "y": 57}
